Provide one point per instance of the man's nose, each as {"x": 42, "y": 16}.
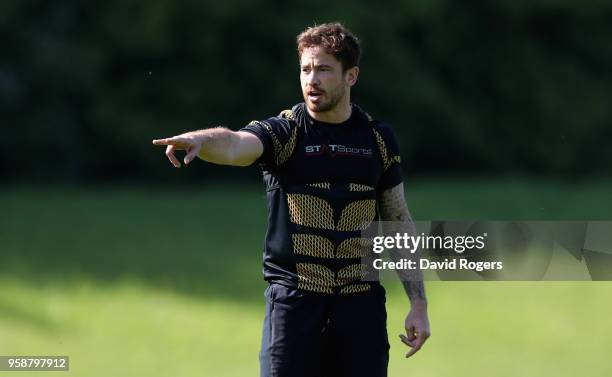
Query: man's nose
{"x": 313, "y": 78}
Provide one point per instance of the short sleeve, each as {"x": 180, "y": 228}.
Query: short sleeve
{"x": 278, "y": 136}
{"x": 390, "y": 155}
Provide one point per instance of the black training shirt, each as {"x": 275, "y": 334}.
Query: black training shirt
{"x": 322, "y": 181}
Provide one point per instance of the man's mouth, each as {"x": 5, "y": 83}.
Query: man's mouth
{"x": 314, "y": 95}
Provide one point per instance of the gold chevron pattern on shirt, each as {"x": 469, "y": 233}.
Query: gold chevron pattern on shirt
{"x": 314, "y": 277}
{"x": 321, "y": 185}
{"x": 318, "y": 278}
{"x": 313, "y": 211}
{"x": 384, "y": 153}
{"x": 313, "y": 245}
{"x": 360, "y": 187}
{"x": 357, "y": 215}
{"x": 353, "y": 248}
{"x": 282, "y": 152}
{"x": 355, "y": 288}
{"x": 287, "y": 114}
{"x": 350, "y": 274}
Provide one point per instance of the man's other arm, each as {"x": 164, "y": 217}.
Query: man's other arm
{"x": 217, "y": 145}
{"x": 394, "y": 212}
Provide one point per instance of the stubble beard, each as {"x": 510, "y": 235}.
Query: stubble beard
{"x": 335, "y": 96}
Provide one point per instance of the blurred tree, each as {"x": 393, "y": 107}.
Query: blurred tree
{"x": 474, "y": 86}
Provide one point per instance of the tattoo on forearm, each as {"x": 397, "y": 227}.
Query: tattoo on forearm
{"x": 393, "y": 205}
{"x": 397, "y": 219}
{"x": 415, "y": 289}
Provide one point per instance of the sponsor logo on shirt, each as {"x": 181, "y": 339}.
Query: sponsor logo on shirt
{"x": 337, "y": 150}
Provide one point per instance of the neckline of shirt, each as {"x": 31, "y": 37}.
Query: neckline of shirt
{"x": 344, "y": 124}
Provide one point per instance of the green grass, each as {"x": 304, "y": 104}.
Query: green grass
{"x": 133, "y": 281}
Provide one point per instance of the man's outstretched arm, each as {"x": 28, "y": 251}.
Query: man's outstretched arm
{"x": 395, "y": 212}
{"x": 217, "y": 145}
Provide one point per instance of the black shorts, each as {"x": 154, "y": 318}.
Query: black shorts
{"x": 317, "y": 335}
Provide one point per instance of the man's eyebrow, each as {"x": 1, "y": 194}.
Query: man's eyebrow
{"x": 316, "y": 65}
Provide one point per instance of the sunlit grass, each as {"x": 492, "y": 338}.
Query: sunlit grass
{"x": 131, "y": 281}
{"x": 128, "y": 328}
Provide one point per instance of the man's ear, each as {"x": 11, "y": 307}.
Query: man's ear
{"x": 351, "y": 75}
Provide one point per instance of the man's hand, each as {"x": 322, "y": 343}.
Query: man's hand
{"x": 187, "y": 142}
{"x": 217, "y": 145}
{"x": 417, "y": 329}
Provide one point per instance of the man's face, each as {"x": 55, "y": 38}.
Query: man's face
{"x": 324, "y": 84}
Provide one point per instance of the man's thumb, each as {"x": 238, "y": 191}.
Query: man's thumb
{"x": 191, "y": 154}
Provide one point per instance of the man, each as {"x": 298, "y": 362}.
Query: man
{"x": 329, "y": 170}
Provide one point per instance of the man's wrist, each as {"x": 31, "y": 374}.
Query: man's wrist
{"x": 418, "y": 304}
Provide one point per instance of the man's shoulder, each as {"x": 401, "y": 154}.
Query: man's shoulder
{"x": 286, "y": 120}
{"x": 293, "y": 116}
{"x": 383, "y": 131}
{"x": 377, "y": 124}
{"x": 282, "y": 123}
{"x": 380, "y": 127}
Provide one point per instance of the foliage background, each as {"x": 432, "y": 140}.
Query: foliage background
{"x": 491, "y": 87}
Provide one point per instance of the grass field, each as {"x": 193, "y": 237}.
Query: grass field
{"x": 134, "y": 281}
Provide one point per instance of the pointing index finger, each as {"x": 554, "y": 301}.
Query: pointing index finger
{"x": 166, "y": 141}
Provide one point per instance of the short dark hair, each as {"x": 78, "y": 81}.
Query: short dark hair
{"x": 335, "y": 39}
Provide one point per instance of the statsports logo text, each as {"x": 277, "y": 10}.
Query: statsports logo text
{"x": 336, "y": 150}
